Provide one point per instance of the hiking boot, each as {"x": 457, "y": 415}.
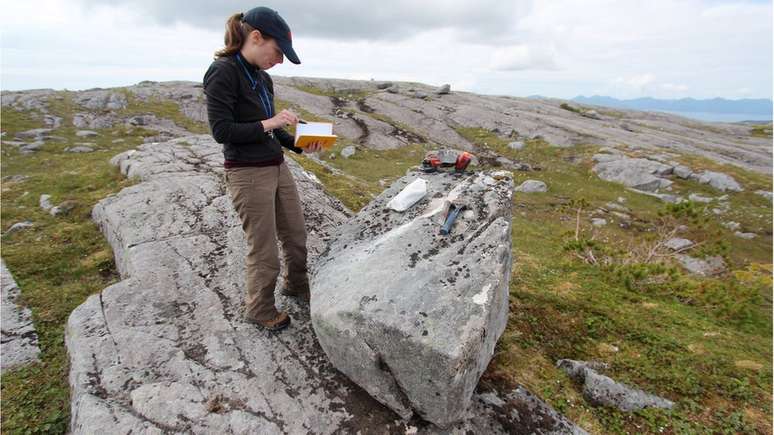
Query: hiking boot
{"x": 279, "y": 322}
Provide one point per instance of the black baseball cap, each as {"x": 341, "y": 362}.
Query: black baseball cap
{"x": 269, "y": 22}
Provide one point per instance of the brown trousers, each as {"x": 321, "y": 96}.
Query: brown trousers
{"x": 267, "y": 202}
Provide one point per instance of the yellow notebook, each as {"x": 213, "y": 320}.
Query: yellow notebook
{"x": 311, "y": 132}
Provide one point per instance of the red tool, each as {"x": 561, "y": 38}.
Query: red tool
{"x": 431, "y": 163}
{"x": 463, "y": 160}
{"x": 445, "y": 158}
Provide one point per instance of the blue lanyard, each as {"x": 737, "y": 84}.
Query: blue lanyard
{"x": 263, "y": 95}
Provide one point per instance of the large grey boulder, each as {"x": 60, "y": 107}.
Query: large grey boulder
{"x": 19, "y": 339}
{"x": 165, "y": 350}
{"x": 410, "y": 315}
{"x": 637, "y": 173}
{"x": 601, "y": 390}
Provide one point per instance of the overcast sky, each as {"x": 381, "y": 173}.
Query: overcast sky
{"x": 557, "y": 48}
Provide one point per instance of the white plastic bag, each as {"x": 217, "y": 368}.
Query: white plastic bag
{"x": 410, "y": 194}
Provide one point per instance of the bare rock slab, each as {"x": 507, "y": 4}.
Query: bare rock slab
{"x": 165, "y": 350}
{"x": 19, "y": 339}
{"x": 410, "y": 315}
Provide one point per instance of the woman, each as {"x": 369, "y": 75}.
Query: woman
{"x": 240, "y": 108}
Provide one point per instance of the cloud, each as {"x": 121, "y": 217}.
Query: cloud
{"x": 636, "y": 82}
{"x": 674, "y": 88}
{"x": 348, "y": 19}
{"x": 646, "y": 84}
{"x": 523, "y": 57}
{"x": 559, "y": 48}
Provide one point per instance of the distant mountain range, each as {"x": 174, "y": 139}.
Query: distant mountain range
{"x": 760, "y": 106}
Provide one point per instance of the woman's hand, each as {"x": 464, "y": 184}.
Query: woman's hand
{"x": 313, "y": 147}
{"x": 280, "y": 120}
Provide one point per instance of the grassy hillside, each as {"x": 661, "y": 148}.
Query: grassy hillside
{"x": 608, "y": 293}
{"x": 61, "y": 260}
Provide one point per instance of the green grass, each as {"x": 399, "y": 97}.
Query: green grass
{"x": 62, "y": 260}
{"x": 566, "y": 106}
{"x": 162, "y": 108}
{"x": 656, "y": 316}
{"x": 761, "y": 130}
{"x": 346, "y": 94}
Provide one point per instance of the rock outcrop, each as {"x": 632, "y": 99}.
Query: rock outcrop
{"x": 640, "y": 174}
{"x": 719, "y": 181}
{"x": 409, "y": 314}
{"x": 403, "y": 119}
{"x": 165, "y": 350}
{"x": 19, "y": 339}
{"x": 601, "y": 390}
